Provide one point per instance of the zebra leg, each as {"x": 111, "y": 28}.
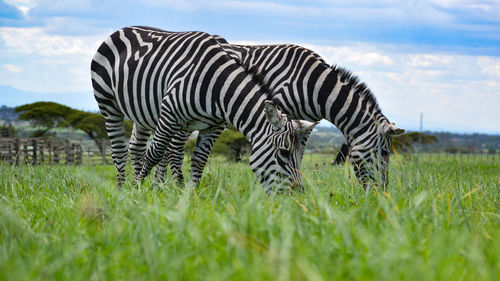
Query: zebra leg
{"x": 204, "y": 144}
{"x": 161, "y": 169}
{"x": 167, "y": 127}
{"x": 138, "y": 143}
{"x": 116, "y": 133}
{"x": 342, "y": 155}
{"x": 173, "y": 158}
{"x": 175, "y": 149}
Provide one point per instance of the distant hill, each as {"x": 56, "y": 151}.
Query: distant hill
{"x": 453, "y": 142}
{"x": 7, "y": 114}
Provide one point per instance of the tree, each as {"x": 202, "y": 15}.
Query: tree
{"x": 231, "y": 143}
{"x": 48, "y": 115}
{"x": 93, "y": 125}
{"x": 404, "y": 143}
{"x": 52, "y": 115}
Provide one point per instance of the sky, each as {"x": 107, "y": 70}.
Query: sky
{"x": 435, "y": 58}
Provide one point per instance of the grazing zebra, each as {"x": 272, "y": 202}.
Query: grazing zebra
{"x": 341, "y": 156}
{"x": 306, "y": 87}
{"x": 173, "y": 81}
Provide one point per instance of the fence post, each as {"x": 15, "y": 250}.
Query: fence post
{"x": 9, "y": 131}
{"x": 79, "y": 154}
{"x": 35, "y": 150}
{"x": 50, "y": 151}
{"x": 66, "y": 149}
{"x": 25, "y": 151}
{"x": 56, "y": 154}
{"x": 42, "y": 146}
{"x": 17, "y": 145}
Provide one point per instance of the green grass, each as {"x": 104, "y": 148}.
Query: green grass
{"x": 437, "y": 220}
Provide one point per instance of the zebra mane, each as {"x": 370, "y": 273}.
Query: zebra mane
{"x": 252, "y": 71}
{"x": 259, "y": 78}
{"x": 361, "y": 88}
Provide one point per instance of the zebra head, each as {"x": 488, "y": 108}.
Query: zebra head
{"x": 276, "y": 158}
{"x": 369, "y": 155}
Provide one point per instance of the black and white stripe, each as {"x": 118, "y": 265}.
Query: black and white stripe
{"x": 306, "y": 87}
{"x": 175, "y": 81}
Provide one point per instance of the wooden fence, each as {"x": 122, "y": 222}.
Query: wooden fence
{"x": 36, "y": 151}
{"x": 86, "y": 151}
{"x": 93, "y": 153}
{"x": 69, "y": 151}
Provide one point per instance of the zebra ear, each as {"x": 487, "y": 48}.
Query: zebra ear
{"x": 392, "y": 130}
{"x": 304, "y": 128}
{"x": 273, "y": 115}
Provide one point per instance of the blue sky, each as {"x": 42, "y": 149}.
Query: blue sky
{"x": 436, "y": 57}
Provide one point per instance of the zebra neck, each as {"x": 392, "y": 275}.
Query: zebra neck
{"x": 347, "y": 103}
{"x": 245, "y": 112}
{"x": 305, "y": 92}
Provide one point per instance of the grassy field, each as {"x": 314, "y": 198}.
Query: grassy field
{"x": 437, "y": 220}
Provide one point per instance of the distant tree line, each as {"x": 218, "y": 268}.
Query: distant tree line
{"x": 329, "y": 139}
{"x": 404, "y": 143}
{"x": 47, "y": 116}
{"x": 50, "y": 115}
{"x": 462, "y": 143}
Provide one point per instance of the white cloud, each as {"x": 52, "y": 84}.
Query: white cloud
{"x": 79, "y": 74}
{"x": 484, "y": 5}
{"x": 21, "y": 2}
{"x": 23, "y": 5}
{"x": 24, "y": 9}
{"x": 50, "y": 63}
{"x": 429, "y": 60}
{"x": 351, "y": 55}
{"x": 36, "y": 41}
{"x": 490, "y": 66}
{"x": 12, "y": 68}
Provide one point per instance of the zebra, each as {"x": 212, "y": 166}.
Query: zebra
{"x": 341, "y": 156}
{"x": 307, "y": 88}
{"x": 172, "y": 81}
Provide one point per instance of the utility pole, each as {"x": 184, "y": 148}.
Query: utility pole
{"x": 421, "y": 121}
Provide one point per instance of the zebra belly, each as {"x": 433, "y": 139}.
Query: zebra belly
{"x": 200, "y": 125}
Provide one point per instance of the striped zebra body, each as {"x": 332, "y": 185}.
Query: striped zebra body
{"x": 306, "y": 87}
{"x": 168, "y": 82}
